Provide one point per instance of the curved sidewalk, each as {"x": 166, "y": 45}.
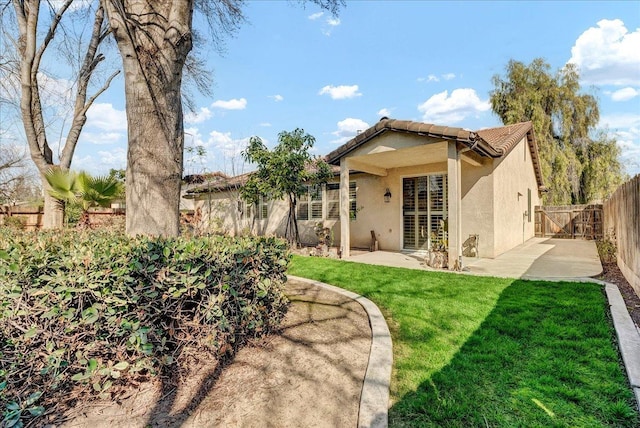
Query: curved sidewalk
{"x": 330, "y": 366}
{"x": 374, "y": 400}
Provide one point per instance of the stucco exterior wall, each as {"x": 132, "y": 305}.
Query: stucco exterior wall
{"x": 478, "y": 205}
{"x": 494, "y": 199}
{"x": 220, "y": 213}
{"x": 513, "y": 179}
{"x": 391, "y": 140}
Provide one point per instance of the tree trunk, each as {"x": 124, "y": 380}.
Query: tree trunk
{"x": 154, "y": 38}
{"x": 53, "y": 217}
{"x": 292, "y": 233}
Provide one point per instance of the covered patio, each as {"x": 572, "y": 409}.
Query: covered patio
{"x": 436, "y": 173}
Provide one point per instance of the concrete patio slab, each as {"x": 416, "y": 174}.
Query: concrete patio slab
{"x": 542, "y": 258}
{"x": 538, "y": 258}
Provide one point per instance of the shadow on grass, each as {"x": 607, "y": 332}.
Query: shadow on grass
{"x": 544, "y": 356}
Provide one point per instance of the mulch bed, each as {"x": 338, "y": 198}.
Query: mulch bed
{"x": 611, "y": 273}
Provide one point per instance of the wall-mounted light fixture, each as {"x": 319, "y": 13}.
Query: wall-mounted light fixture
{"x": 387, "y": 196}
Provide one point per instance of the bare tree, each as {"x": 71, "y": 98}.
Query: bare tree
{"x": 155, "y": 38}
{"x": 16, "y": 176}
{"x": 31, "y": 44}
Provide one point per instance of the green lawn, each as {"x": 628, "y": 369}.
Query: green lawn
{"x": 488, "y": 352}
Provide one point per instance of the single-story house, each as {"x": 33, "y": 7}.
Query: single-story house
{"x": 404, "y": 181}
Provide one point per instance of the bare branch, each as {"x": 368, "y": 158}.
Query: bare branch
{"x": 52, "y": 29}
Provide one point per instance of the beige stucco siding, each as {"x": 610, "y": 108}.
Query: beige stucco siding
{"x": 494, "y": 196}
{"x": 513, "y": 178}
{"x": 220, "y": 213}
{"x": 392, "y": 141}
{"x": 477, "y": 205}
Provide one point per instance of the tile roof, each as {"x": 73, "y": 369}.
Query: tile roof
{"x": 492, "y": 142}
{"x": 504, "y": 138}
{"x": 228, "y": 183}
{"x": 386, "y": 124}
{"x": 220, "y": 184}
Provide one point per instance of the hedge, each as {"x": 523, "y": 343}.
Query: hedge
{"x": 82, "y": 312}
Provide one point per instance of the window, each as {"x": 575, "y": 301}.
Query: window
{"x": 261, "y": 208}
{"x": 303, "y": 206}
{"x": 244, "y": 209}
{"x": 315, "y": 193}
{"x": 353, "y": 209}
{"x": 333, "y": 201}
{"x": 310, "y": 203}
{"x": 323, "y": 202}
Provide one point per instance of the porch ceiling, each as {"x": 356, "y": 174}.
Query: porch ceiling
{"x": 387, "y": 157}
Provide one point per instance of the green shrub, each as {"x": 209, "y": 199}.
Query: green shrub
{"x": 16, "y": 222}
{"x": 81, "y": 312}
{"x": 607, "y": 248}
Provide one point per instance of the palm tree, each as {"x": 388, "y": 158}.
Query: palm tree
{"x": 82, "y": 188}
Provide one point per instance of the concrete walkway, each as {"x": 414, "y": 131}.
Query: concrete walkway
{"x": 317, "y": 373}
{"x": 538, "y": 258}
{"x": 542, "y": 258}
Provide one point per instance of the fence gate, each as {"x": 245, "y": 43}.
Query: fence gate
{"x": 569, "y": 221}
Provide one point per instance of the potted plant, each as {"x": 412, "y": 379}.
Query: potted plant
{"x": 325, "y": 238}
{"x": 438, "y": 256}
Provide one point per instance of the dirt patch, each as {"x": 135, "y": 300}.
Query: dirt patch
{"x": 611, "y": 273}
{"x": 310, "y": 375}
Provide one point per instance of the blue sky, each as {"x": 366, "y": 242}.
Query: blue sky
{"x": 291, "y": 66}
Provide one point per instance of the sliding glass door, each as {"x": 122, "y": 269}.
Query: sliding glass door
{"x": 424, "y": 206}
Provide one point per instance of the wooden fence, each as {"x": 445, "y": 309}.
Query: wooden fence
{"x": 622, "y": 224}
{"x": 32, "y": 217}
{"x": 570, "y": 221}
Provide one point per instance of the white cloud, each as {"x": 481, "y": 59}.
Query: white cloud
{"x": 192, "y": 137}
{"x": 434, "y": 78}
{"x": 444, "y": 109}
{"x": 105, "y": 117}
{"x": 228, "y": 146}
{"x": 232, "y": 104}
{"x": 76, "y": 5}
{"x": 102, "y": 162}
{"x": 340, "y": 92}
{"x": 629, "y": 144}
{"x": 348, "y": 128}
{"x": 103, "y": 137}
{"x": 116, "y": 158}
{"x": 384, "y": 112}
{"x": 622, "y": 120}
{"x": 55, "y": 92}
{"x": 330, "y": 25}
{"x": 624, "y": 94}
{"x": 608, "y": 54}
{"x": 625, "y": 128}
{"x": 197, "y": 117}
{"x": 277, "y": 97}
{"x": 315, "y": 16}
{"x": 266, "y": 124}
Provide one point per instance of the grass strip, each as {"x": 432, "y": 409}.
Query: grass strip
{"x": 491, "y": 352}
